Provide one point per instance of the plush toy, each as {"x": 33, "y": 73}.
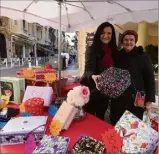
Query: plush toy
{"x": 4, "y": 101}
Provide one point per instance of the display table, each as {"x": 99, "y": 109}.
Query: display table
{"x": 91, "y": 126}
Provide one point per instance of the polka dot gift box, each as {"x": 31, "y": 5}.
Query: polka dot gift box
{"x": 34, "y": 106}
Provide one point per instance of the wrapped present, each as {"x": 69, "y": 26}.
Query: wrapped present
{"x": 88, "y": 145}
{"x": 137, "y": 136}
{"x": 154, "y": 110}
{"x": 37, "y": 74}
{"x": 34, "y": 106}
{"x": 42, "y": 92}
{"x": 17, "y": 129}
{"x": 66, "y": 114}
{"x": 156, "y": 152}
{"x": 15, "y": 86}
{"x": 53, "y": 144}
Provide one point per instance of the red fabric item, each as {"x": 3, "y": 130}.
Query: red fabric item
{"x": 76, "y": 129}
{"x": 69, "y": 87}
{"x": 34, "y": 106}
{"x": 156, "y": 152}
{"x": 107, "y": 60}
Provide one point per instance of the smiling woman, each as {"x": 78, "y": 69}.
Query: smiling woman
{"x": 137, "y": 62}
{"x": 99, "y": 57}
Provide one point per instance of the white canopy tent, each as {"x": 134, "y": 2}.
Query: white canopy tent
{"x": 71, "y": 15}
{"x": 79, "y": 14}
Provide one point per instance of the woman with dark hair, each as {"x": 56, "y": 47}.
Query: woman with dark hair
{"x": 98, "y": 58}
{"x": 141, "y": 92}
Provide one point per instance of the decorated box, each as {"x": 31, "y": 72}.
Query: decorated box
{"x": 88, "y": 145}
{"x": 37, "y": 74}
{"x": 137, "y": 136}
{"x": 34, "y": 106}
{"x": 17, "y": 129}
{"x": 15, "y": 85}
{"x": 66, "y": 114}
{"x": 42, "y": 92}
{"x": 53, "y": 144}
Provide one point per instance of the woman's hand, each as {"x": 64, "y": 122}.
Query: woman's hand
{"x": 148, "y": 106}
{"x": 94, "y": 77}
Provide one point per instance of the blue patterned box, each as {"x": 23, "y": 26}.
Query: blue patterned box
{"x": 53, "y": 145}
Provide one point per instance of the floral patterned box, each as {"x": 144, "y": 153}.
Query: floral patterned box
{"x": 138, "y": 138}
{"x": 53, "y": 145}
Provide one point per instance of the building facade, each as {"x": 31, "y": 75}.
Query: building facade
{"x": 19, "y": 38}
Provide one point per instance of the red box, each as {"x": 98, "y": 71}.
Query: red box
{"x": 34, "y": 106}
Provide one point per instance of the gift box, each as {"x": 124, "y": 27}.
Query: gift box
{"x": 137, "y": 136}
{"x": 15, "y": 85}
{"x": 17, "y": 129}
{"x": 53, "y": 144}
{"x": 42, "y": 92}
{"x": 88, "y": 145}
{"x": 66, "y": 114}
{"x": 34, "y": 106}
{"x": 37, "y": 74}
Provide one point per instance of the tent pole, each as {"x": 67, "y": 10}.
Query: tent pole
{"x": 59, "y": 47}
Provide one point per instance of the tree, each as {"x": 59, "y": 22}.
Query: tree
{"x": 152, "y": 51}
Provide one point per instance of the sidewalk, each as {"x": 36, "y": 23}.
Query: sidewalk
{"x": 71, "y": 70}
{"x": 3, "y": 67}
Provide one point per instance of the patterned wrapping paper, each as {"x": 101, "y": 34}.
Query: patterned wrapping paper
{"x": 39, "y": 73}
{"x": 114, "y": 81}
{"x": 88, "y": 145}
{"x": 34, "y": 106}
{"x": 137, "y": 136}
{"x": 53, "y": 145}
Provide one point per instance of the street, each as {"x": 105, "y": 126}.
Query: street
{"x": 11, "y": 72}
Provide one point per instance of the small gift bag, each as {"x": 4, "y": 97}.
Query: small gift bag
{"x": 137, "y": 136}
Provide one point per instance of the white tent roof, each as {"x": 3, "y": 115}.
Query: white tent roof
{"x": 79, "y": 14}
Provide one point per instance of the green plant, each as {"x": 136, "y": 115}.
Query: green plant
{"x": 152, "y": 51}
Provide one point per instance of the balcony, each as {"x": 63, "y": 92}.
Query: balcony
{"x": 39, "y": 27}
{"x": 24, "y": 31}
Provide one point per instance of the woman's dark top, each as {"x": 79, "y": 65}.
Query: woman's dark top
{"x": 139, "y": 65}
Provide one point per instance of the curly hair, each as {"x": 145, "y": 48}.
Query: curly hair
{"x": 97, "y": 44}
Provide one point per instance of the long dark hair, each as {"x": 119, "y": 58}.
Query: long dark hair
{"x": 97, "y": 44}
